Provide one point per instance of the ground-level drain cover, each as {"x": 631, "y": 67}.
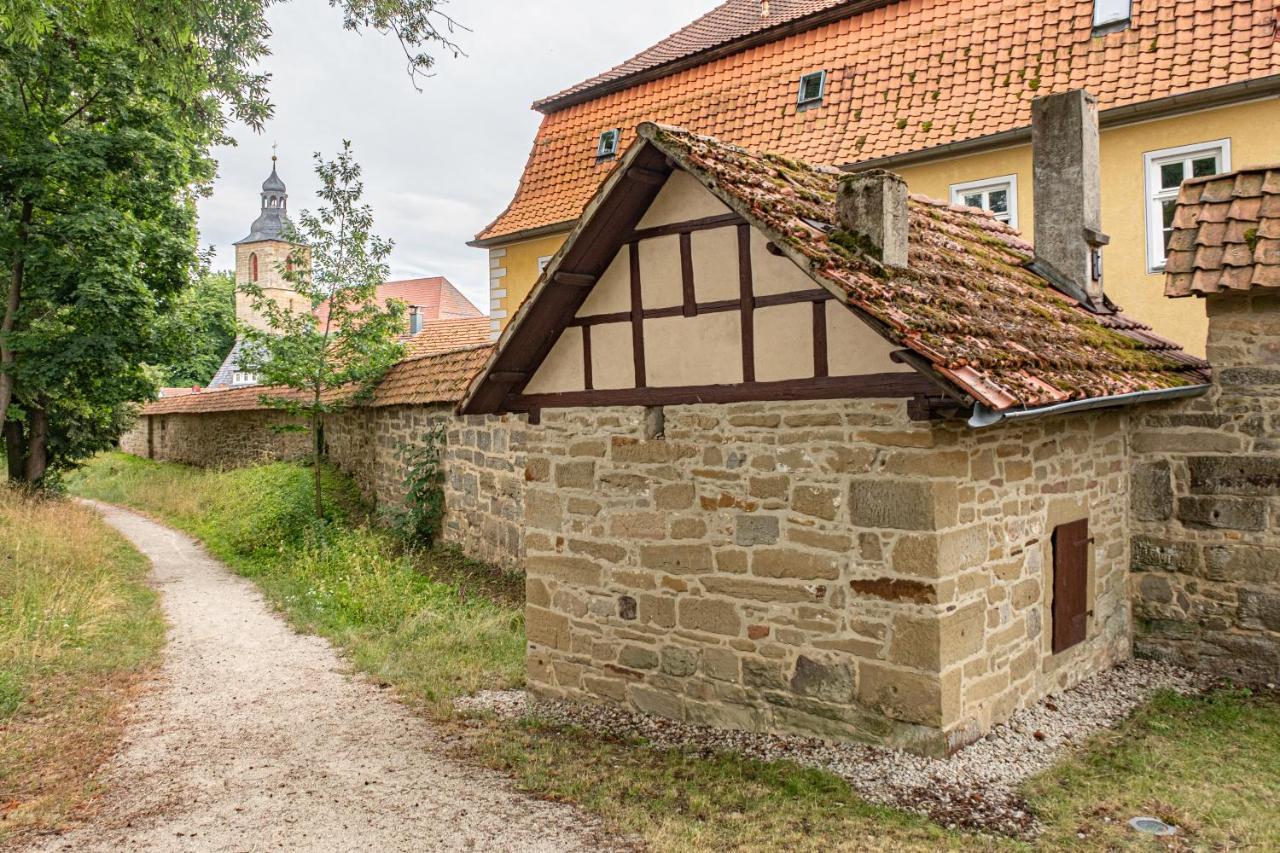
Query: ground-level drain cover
{"x": 1153, "y": 826}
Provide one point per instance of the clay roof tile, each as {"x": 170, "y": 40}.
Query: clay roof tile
{"x": 967, "y": 66}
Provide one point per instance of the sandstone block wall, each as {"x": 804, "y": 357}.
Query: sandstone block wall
{"x": 216, "y": 439}
{"x": 135, "y": 439}
{"x": 1206, "y": 506}
{"x": 826, "y": 567}
{"x": 484, "y": 470}
{"x": 485, "y": 487}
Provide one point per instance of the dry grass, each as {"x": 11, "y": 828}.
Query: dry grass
{"x": 78, "y": 626}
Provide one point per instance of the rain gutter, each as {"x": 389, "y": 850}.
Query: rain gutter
{"x": 984, "y": 416}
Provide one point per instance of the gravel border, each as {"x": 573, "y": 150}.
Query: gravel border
{"x": 977, "y": 788}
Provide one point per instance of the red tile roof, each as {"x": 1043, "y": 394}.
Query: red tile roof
{"x": 1226, "y": 234}
{"x": 440, "y": 377}
{"x": 421, "y": 379}
{"x": 723, "y": 25}
{"x": 967, "y": 303}
{"x": 902, "y": 77}
{"x": 436, "y": 299}
{"x": 445, "y": 335}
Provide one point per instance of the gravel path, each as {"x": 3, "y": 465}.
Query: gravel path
{"x": 977, "y": 788}
{"x": 255, "y": 738}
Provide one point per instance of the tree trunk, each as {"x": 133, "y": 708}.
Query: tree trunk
{"x": 317, "y": 450}
{"x": 11, "y": 304}
{"x": 15, "y": 451}
{"x": 37, "y": 447}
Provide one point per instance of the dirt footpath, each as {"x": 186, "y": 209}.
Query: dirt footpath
{"x": 255, "y": 738}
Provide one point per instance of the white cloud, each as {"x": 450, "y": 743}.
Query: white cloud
{"x": 438, "y": 165}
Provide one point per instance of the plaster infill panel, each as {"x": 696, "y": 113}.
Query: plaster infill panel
{"x": 661, "y": 280}
{"x": 613, "y": 363}
{"x": 682, "y": 198}
{"x": 853, "y": 349}
{"x": 771, "y": 274}
{"x": 612, "y": 293}
{"x": 702, "y": 350}
{"x": 784, "y": 342}
{"x": 715, "y": 264}
{"x": 562, "y": 370}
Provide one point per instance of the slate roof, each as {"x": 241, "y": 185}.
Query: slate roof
{"x": 436, "y": 377}
{"x": 902, "y": 77}
{"x": 966, "y": 304}
{"x": 1226, "y": 234}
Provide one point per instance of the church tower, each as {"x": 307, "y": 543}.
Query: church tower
{"x": 261, "y": 256}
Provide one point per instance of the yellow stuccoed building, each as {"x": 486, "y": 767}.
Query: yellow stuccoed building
{"x": 938, "y": 91}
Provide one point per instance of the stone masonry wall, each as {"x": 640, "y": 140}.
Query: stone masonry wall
{"x": 825, "y": 567}
{"x": 135, "y": 440}
{"x": 216, "y": 439}
{"x": 1206, "y": 506}
{"x": 484, "y": 471}
{"x": 485, "y": 487}
{"x": 484, "y": 461}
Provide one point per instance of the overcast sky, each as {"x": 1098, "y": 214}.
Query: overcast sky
{"x": 438, "y": 165}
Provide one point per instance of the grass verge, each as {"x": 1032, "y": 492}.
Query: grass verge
{"x": 1208, "y": 764}
{"x": 436, "y": 625}
{"x": 78, "y": 627}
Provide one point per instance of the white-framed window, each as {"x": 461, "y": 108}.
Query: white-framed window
{"x": 607, "y": 147}
{"x": 997, "y": 195}
{"x": 542, "y": 263}
{"x": 813, "y": 86}
{"x": 244, "y": 377}
{"x": 1165, "y": 171}
{"x": 1111, "y": 15}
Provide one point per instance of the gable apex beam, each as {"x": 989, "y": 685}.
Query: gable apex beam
{"x": 654, "y": 177}
{"x": 575, "y": 279}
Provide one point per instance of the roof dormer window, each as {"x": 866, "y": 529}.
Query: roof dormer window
{"x": 1109, "y": 16}
{"x": 607, "y": 148}
{"x": 813, "y": 87}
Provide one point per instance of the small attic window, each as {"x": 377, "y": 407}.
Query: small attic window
{"x": 1110, "y": 16}
{"x": 812, "y": 88}
{"x": 607, "y": 148}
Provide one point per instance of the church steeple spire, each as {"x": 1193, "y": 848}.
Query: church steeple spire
{"x": 273, "y": 218}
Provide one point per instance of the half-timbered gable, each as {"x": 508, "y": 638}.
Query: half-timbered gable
{"x": 715, "y": 308}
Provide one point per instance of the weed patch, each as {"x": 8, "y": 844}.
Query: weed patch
{"x": 78, "y": 627}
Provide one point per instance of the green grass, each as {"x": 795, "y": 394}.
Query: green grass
{"x": 1208, "y": 764}
{"x": 436, "y": 625}
{"x": 78, "y": 627}
{"x": 432, "y": 624}
{"x": 686, "y": 800}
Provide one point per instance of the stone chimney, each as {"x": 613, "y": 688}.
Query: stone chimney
{"x": 872, "y": 205}
{"x": 764, "y": 8}
{"x": 1068, "y": 187}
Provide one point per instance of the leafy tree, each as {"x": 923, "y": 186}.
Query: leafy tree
{"x": 199, "y": 329}
{"x": 109, "y": 110}
{"x": 323, "y": 356}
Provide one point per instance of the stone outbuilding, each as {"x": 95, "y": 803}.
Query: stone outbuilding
{"x": 1206, "y": 478}
{"x": 807, "y": 454}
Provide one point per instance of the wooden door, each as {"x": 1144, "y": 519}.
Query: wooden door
{"x": 1070, "y": 584}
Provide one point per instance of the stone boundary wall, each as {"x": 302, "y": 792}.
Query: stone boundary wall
{"x": 1206, "y": 506}
{"x": 215, "y": 439}
{"x": 829, "y": 568}
{"x": 484, "y": 461}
